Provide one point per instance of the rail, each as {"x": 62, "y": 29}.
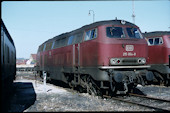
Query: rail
{"x": 142, "y": 96}
{"x": 138, "y": 103}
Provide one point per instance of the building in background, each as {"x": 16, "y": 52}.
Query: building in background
{"x": 32, "y": 60}
{"x": 21, "y": 61}
{"x": 26, "y": 64}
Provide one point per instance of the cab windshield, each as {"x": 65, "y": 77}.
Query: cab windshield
{"x": 134, "y": 33}
{"x": 115, "y": 32}
{"x": 119, "y": 32}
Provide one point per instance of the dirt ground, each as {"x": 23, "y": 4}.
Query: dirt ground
{"x": 34, "y": 96}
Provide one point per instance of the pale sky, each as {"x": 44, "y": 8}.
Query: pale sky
{"x": 30, "y": 23}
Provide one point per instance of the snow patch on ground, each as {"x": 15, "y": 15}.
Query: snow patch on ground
{"x": 39, "y": 87}
{"x": 156, "y": 91}
{"x": 52, "y": 98}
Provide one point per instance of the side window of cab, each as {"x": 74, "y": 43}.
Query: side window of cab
{"x": 155, "y": 41}
{"x": 91, "y": 34}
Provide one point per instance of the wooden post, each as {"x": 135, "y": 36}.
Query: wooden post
{"x": 35, "y": 78}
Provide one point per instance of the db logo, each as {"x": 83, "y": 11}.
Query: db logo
{"x": 129, "y": 48}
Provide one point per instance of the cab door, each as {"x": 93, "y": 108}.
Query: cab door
{"x": 76, "y": 55}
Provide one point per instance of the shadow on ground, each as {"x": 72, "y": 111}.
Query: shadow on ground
{"x": 138, "y": 91}
{"x": 24, "y": 96}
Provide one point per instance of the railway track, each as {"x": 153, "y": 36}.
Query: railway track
{"x": 144, "y": 101}
{"x": 29, "y": 76}
{"x": 149, "y": 102}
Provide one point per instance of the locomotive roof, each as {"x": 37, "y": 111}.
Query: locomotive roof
{"x": 90, "y": 26}
{"x": 156, "y": 33}
{"x": 5, "y": 30}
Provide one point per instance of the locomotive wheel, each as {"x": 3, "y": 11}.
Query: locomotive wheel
{"x": 88, "y": 83}
{"x": 91, "y": 88}
{"x": 167, "y": 80}
{"x": 80, "y": 89}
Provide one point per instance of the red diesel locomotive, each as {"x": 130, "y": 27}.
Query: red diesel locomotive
{"x": 106, "y": 56}
{"x": 159, "y": 52}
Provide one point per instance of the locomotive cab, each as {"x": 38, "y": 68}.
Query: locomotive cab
{"x": 124, "y": 46}
{"x": 123, "y": 53}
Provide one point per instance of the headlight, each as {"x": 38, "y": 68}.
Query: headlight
{"x": 141, "y": 60}
{"x": 114, "y": 61}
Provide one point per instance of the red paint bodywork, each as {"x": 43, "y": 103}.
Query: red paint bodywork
{"x": 113, "y": 48}
{"x": 159, "y": 54}
{"x": 95, "y": 52}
